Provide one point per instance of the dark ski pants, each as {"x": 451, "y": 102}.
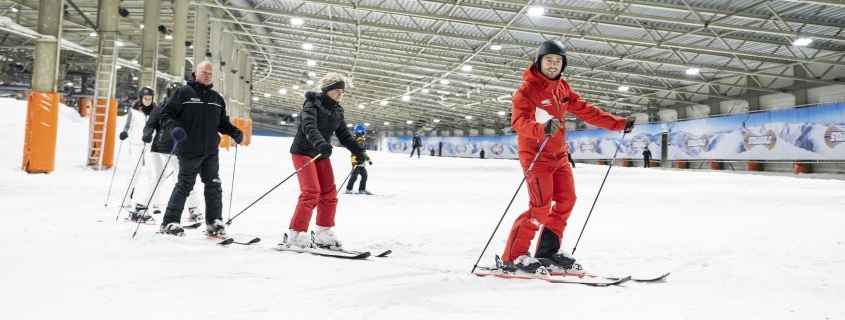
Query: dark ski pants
{"x": 646, "y": 162}
{"x": 207, "y": 165}
{"x": 355, "y": 172}
{"x": 417, "y": 149}
{"x": 317, "y": 189}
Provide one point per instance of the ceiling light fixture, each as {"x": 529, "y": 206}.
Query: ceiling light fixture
{"x": 93, "y": 34}
{"x": 312, "y": 74}
{"x": 307, "y": 46}
{"x": 386, "y": 123}
{"x": 311, "y": 63}
{"x": 296, "y": 21}
{"x": 406, "y": 98}
{"x": 383, "y": 102}
{"x": 444, "y": 81}
{"x": 294, "y": 115}
{"x": 535, "y": 11}
{"x": 436, "y": 120}
{"x": 254, "y": 98}
{"x": 501, "y": 113}
{"x": 466, "y": 68}
{"x": 495, "y": 47}
{"x": 623, "y": 88}
{"x": 283, "y": 91}
{"x": 361, "y": 106}
{"x": 409, "y": 122}
{"x": 295, "y": 87}
{"x": 424, "y": 90}
{"x": 266, "y": 95}
{"x": 309, "y": 82}
{"x": 366, "y": 124}
{"x": 692, "y": 71}
{"x": 802, "y": 42}
{"x": 468, "y": 117}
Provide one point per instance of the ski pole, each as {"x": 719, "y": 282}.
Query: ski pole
{"x": 232, "y": 189}
{"x": 598, "y": 193}
{"x": 155, "y": 187}
{"x": 537, "y": 156}
{"x": 141, "y": 157}
{"x": 347, "y": 177}
{"x": 116, "y": 162}
{"x": 274, "y": 188}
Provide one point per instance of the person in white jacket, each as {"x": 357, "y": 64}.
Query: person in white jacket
{"x": 136, "y": 118}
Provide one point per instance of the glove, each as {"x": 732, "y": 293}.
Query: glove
{"x": 325, "y": 149}
{"x": 178, "y": 134}
{"x": 629, "y": 124}
{"x": 238, "y": 136}
{"x": 124, "y": 135}
{"x": 147, "y": 138}
{"x": 552, "y": 126}
{"x": 361, "y": 157}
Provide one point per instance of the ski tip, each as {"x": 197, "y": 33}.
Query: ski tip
{"x": 226, "y": 242}
{"x": 385, "y": 253}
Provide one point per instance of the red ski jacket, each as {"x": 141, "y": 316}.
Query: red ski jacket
{"x": 539, "y": 99}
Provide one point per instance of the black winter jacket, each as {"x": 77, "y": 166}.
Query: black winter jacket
{"x": 320, "y": 118}
{"x": 162, "y": 141}
{"x": 201, "y": 112}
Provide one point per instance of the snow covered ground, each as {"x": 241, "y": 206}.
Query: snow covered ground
{"x": 739, "y": 246}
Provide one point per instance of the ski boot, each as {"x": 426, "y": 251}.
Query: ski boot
{"x": 296, "y": 240}
{"x": 194, "y": 214}
{"x": 216, "y": 229}
{"x": 349, "y": 191}
{"x": 173, "y": 228}
{"x": 326, "y": 238}
{"x": 524, "y": 263}
{"x": 562, "y": 262}
{"x": 365, "y": 192}
{"x": 140, "y": 214}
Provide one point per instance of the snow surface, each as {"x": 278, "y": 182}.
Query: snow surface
{"x": 739, "y": 246}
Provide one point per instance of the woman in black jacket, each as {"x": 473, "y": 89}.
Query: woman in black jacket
{"x": 321, "y": 117}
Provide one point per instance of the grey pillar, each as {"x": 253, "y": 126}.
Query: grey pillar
{"x": 46, "y": 67}
{"x": 214, "y": 47}
{"x": 180, "y": 30}
{"x": 228, "y": 53}
{"x": 106, "y": 77}
{"x": 149, "y": 44}
{"x": 800, "y": 94}
{"x": 247, "y": 89}
{"x": 240, "y": 81}
{"x": 200, "y": 35}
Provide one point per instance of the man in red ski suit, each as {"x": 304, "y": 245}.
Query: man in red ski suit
{"x": 539, "y": 106}
{"x": 320, "y": 119}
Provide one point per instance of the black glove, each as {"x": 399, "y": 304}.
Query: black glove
{"x": 360, "y": 157}
{"x": 147, "y": 138}
{"x": 552, "y": 126}
{"x": 178, "y": 134}
{"x": 325, "y": 149}
{"x": 124, "y": 135}
{"x": 629, "y": 124}
{"x": 238, "y": 136}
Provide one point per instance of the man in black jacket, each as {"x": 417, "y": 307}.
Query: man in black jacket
{"x": 321, "y": 118}
{"x": 416, "y": 145}
{"x": 646, "y": 157}
{"x": 194, "y": 115}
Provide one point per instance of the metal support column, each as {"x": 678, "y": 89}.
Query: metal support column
{"x": 200, "y": 36}
{"x": 180, "y": 30}
{"x": 149, "y": 44}
{"x": 104, "y": 111}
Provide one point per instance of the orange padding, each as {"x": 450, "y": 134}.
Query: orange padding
{"x": 224, "y": 141}
{"x": 107, "y": 157}
{"x": 83, "y": 107}
{"x": 248, "y": 132}
{"x": 42, "y": 119}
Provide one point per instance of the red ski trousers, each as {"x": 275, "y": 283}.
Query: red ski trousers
{"x": 548, "y": 181}
{"x": 317, "y": 189}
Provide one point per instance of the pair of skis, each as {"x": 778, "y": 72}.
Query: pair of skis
{"x": 221, "y": 240}
{"x": 560, "y": 276}
{"x": 331, "y": 252}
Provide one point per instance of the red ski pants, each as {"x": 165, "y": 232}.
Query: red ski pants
{"x": 548, "y": 181}
{"x": 317, "y": 189}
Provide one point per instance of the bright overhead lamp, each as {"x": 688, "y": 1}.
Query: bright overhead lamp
{"x": 361, "y": 106}
{"x": 444, "y": 81}
{"x": 349, "y": 125}
{"x": 424, "y": 90}
{"x": 93, "y": 34}
{"x": 119, "y": 67}
{"x": 436, "y": 120}
{"x": 406, "y": 98}
{"x": 141, "y": 26}
{"x": 295, "y": 87}
{"x": 692, "y": 71}
{"x": 69, "y": 84}
{"x": 466, "y": 68}
{"x": 535, "y": 11}
{"x": 296, "y": 21}
{"x": 386, "y": 123}
{"x": 623, "y": 88}
{"x": 266, "y": 95}
{"x": 409, "y": 122}
{"x": 307, "y": 46}
{"x": 283, "y": 91}
{"x": 118, "y": 43}
{"x": 311, "y": 63}
{"x": 468, "y": 117}
{"x": 312, "y": 74}
{"x": 168, "y": 37}
{"x": 501, "y": 113}
{"x": 366, "y": 124}
{"x": 495, "y": 47}
{"x": 282, "y": 122}
{"x": 135, "y": 61}
{"x": 254, "y": 98}
{"x": 802, "y": 42}
{"x": 135, "y": 78}
{"x": 294, "y": 115}
{"x": 383, "y": 102}
{"x": 309, "y": 82}
{"x": 14, "y": 9}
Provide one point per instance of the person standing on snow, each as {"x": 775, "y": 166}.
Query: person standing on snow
{"x": 321, "y": 117}
{"x": 357, "y": 169}
{"x": 194, "y": 116}
{"x": 646, "y": 157}
{"x": 539, "y": 105}
{"x": 416, "y": 145}
{"x": 161, "y": 145}
{"x": 135, "y": 119}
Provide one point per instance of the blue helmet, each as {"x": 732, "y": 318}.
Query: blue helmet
{"x": 360, "y": 129}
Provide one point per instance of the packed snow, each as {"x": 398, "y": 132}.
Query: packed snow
{"x": 738, "y": 246}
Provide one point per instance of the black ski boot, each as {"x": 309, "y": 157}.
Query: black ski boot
{"x": 173, "y": 228}
{"x": 140, "y": 214}
{"x": 549, "y": 254}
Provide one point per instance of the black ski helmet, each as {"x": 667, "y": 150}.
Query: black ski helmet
{"x": 550, "y": 47}
{"x": 146, "y": 91}
{"x": 173, "y": 86}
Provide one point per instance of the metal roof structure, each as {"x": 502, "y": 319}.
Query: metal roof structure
{"x": 458, "y": 62}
